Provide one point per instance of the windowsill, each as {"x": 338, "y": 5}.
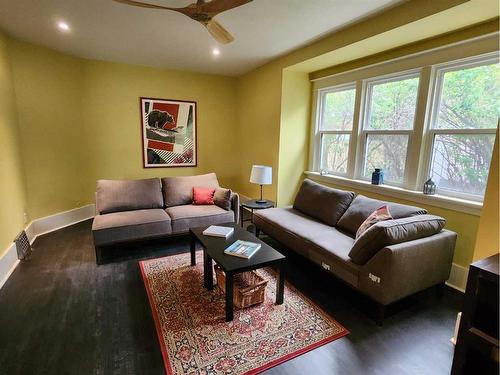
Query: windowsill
{"x": 455, "y": 204}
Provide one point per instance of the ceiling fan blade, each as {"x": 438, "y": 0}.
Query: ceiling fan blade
{"x": 145, "y": 5}
{"x": 219, "y": 33}
{"x": 215, "y": 7}
{"x": 201, "y": 12}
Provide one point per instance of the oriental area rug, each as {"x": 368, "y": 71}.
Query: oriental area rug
{"x": 195, "y": 338}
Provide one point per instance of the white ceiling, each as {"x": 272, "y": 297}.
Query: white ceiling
{"x": 106, "y": 30}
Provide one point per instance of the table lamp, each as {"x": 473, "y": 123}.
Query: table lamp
{"x": 262, "y": 175}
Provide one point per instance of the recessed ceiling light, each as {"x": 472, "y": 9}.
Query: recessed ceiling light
{"x": 215, "y": 52}
{"x": 63, "y": 26}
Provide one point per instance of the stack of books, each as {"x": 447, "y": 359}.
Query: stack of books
{"x": 243, "y": 249}
{"x": 218, "y": 231}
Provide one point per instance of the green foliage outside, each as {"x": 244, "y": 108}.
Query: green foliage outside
{"x": 470, "y": 99}
{"x": 338, "y": 114}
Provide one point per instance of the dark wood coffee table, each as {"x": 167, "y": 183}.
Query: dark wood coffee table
{"x": 213, "y": 250}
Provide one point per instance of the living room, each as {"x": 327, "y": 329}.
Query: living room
{"x": 283, "y": 101}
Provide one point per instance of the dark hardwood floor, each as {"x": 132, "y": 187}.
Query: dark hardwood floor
{"x": 61, "y": 314}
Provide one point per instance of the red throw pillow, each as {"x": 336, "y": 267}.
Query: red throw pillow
{"x": 203, "y": 195}
{"x": 380, "y": 214}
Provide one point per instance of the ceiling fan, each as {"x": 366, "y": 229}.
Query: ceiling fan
{"x": 201, "y": 11}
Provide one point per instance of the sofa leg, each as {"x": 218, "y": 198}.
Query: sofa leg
{"x": 380, "y": 314}
{"x": 98, "y": 255}
{"x": 257, "y": 232}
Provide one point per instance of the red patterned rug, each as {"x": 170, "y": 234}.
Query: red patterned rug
{"x": 195, "y": 338}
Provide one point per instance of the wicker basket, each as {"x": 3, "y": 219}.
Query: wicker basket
{"x": 248, "y": 289}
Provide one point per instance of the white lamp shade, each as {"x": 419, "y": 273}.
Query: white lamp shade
{"x": 262, "y": 175}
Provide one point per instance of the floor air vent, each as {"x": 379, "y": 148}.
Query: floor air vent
{"x": 23, "y": 246}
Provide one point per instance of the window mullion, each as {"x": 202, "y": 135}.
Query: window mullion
{"x": 388, "y": 132}
{"x": 465, "y": 131}
{"x": 315, "y": 143}
{"x": 364, "y": 110}
{"x": 335, "y": 132}
{"x": 415, "y": 159}
{"x": 353, "y": 141}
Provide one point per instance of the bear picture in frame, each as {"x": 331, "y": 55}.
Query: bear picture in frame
{"x": 168, "y": 133}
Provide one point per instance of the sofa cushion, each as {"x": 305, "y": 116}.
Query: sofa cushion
{"x": 125, "y": 195}
{"x": 361, "y": 207}
{"x": 311, "y": 238}
{"x": 179, "y": 190}
{"x": 391, "y": 232}
{"x": 191, "y": 216}
{"x": 322, "y": 202}
{"x": 222, "y": 198}
{"x": 130, "y": 225}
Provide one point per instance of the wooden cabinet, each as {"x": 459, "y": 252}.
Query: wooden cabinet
{"x": 476, "y": 351}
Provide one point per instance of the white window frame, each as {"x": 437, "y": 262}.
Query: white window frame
{"x": 421, "y": 137}
{"x": 318, "y": 133}
{"x": 438, "y": 72}
{"x": 365, "y": 132}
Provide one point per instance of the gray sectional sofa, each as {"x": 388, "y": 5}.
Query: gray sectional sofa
{"x": 391, "y": 260}
{"x": 132, "y": 210}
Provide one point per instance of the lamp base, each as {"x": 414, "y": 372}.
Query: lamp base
{"x": 261, "y": 201}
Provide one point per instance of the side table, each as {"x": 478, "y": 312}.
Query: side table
{"x": 253, "y": 205}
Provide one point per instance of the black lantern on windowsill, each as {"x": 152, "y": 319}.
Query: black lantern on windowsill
{"x": 429, "y": 187}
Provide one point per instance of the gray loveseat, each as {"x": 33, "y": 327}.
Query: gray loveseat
{"x": 391, "y": 260}
{"x": 132, "y": 210}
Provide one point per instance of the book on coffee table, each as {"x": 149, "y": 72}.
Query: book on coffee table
{"x": 218, "y": 231}
{"x": 243, "y": 249}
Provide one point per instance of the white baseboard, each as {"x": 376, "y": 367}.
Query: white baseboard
{"x": 8, "y": 263}
{"x": 458, "y": 277}
{"x": 38, "y": 227}
{"x": 60, "y": 220}
{"x": 457, "y": 326}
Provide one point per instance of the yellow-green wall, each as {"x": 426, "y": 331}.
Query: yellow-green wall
{"x": 488, "y": 234}
{"x": 12, "y": 189}
{"x": 48, "y": 91}
{"x": 294, "y": 136}
{"x": 112, "y": 120}
{"x": 79, "y": 121}
{"x": 258, "y": 136}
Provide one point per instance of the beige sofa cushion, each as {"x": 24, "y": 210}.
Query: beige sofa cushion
{"x": 362, "y": 207}
{"x": 391, "y": 232}
{"x": 124, "y": 195}
{"x": 190, "y": 216}
{"x": 311, "y": 238}
{"x": 179, "y": 190}
{"x": 130, "y": 225}
{"x": 322, "y": 202}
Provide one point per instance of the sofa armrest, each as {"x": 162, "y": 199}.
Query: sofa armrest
{"x": 235, "y": 206}
{"x": 399, "y": 270}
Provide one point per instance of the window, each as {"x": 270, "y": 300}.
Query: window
{"x": 335, "y": 128}
{"x": 463, "y": 126}
{"x": 436, "y": 121}
{"x": 388, "y": 125}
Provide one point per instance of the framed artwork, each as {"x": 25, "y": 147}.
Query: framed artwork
{"x": 168, "y": 133}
